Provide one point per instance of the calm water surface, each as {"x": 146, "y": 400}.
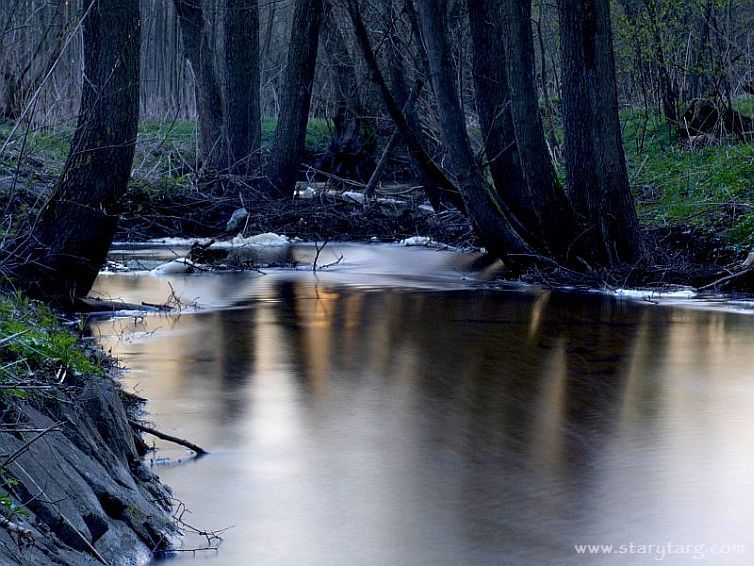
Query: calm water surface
{"x": 392, "y": 411}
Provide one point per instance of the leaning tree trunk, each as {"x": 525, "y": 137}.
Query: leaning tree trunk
{"x": 493, "y": 104}
{"x": 60, "y": 259}
{"x": 243, "y": 122}
{"x": 491, "y": 217}
{"x": 288, "y": 144}
{"x": 431, "y": 172}
{"x": 198, "y": 48}
{"x": 546, "y": 198}
{"x": 595, "y": 164}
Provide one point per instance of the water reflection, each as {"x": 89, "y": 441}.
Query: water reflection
{"x": 356, "y": 426}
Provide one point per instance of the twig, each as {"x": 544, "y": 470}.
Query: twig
{"x": 726, "y": 279}
{"x": 319, "y": 251}
{"x": 12, "y": 337}
{"x": 154, "y": 432}
{"x": 10, "y": 459}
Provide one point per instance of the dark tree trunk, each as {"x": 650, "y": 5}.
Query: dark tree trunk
{"x": 489, "y": 214}
{"x": 69, "y": 243}
{"x": 667, "y": 88}
{"x": 398, "y": 49}
{"x": 199, "y": 51}
{"x": 243, "y": 122}
{"x": 697, "y": 75}
{"x": 547, "y": 200}
{"x": 493, "y": 106}
{"x": 346, "y": 155}
{"x": 595, "y": 164}
{"x": 288, "y": 146}
{"x": 430, "y": 170}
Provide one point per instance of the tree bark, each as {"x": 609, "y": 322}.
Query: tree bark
{"x": 288, "y": 144}
{"x": 595, "y": 164}
{"x": 243, "y": 121}
{"x": 197, "y": 45}
{"x": 424, "y": 162}
{"x": 69, "y": 242}
{"x": 547, "y": 200}
{"x": 346, "y": 154}
{"x": 493, "y": 104}
{"x": 489, "y": 214}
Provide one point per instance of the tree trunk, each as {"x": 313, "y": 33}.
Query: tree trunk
{"x": 430, "y": 170}
{"x": 346, "y": 155}
{"x": 490, "y": 215}
{"x": 69, "y": 243}
{"x": 546, "y": 199}
{"x": 288, "y": 145}
{"x": 667, "y": 88}
{"x": 243, "y": 121}
{"x": 493, "y": 106}
{"x": 595, "y": 164}
{"x": 209, "y": 104}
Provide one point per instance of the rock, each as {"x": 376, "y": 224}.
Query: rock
{"x": 237, "y": 219}
{"x": 84, "y": 485}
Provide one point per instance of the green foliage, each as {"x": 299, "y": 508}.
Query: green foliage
{"x": 709, "y": 187}
{"x": 41, "y": 346}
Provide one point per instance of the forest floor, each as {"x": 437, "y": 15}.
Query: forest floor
{"x": 695, "y": 204}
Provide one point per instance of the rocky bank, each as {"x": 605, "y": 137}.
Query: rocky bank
{"x": 84, "y": 495}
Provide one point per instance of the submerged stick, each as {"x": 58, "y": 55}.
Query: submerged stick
{"x": 174, "y": 439}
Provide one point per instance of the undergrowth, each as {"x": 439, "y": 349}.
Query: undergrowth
{"x": 36, "y": 348}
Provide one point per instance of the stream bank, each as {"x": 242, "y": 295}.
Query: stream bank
{"x": 74, "y": 488}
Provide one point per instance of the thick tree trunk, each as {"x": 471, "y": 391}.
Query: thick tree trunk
{"x": 493, "y": 104}
{"x": 346, "y": 155}
{"x": 243, "y": 122}
{"x": 70, "y": 241}
{"x": 198, "y": 49}
{"x": 489, "y": 214}
{"x": 595, "y": 164}
{"x": 288, "y": 145}
{"x": 547, "y": 200}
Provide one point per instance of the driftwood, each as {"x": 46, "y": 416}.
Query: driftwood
{"x": 163, "y": 436}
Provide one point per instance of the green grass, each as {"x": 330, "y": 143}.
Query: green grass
{"x": 708, "y": 188}
{"x": 37, "y": 346}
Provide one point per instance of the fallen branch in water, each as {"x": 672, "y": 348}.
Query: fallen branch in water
{"x": 163, "y": 436}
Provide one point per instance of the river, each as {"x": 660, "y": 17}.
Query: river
{"x": 394, "y": 409}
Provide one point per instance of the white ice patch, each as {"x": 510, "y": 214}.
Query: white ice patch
{"x": 680, "y": 293}
{"x": 353, "y": 196}
{"x": 418, "y": 241}
{"x": 307, "y": 193}
{"x": 180, "y": 265}
{"x": 268, "y": 239}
